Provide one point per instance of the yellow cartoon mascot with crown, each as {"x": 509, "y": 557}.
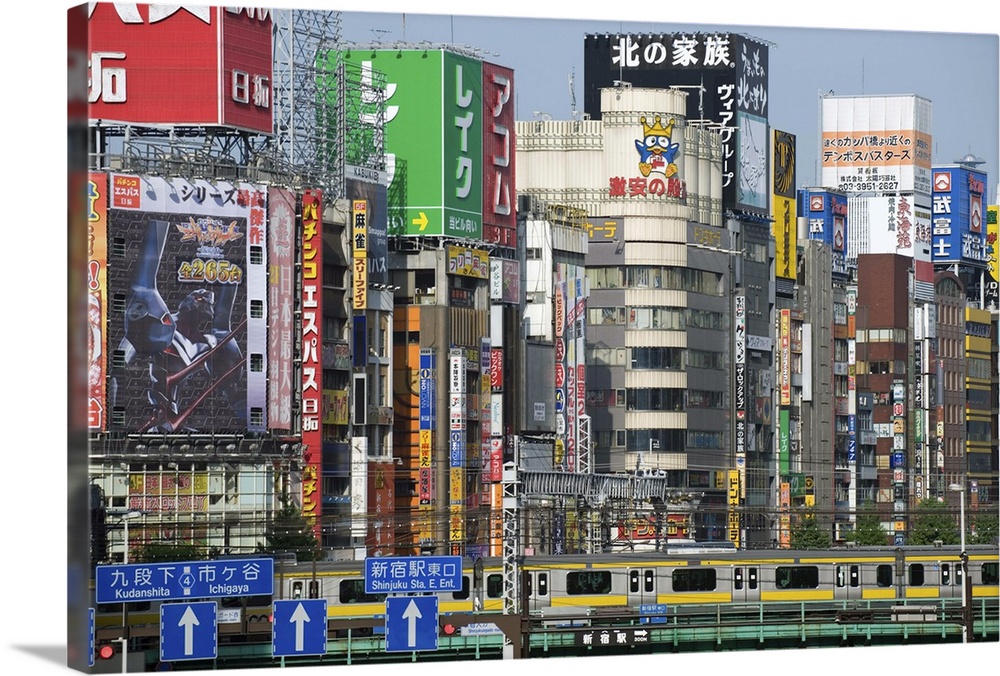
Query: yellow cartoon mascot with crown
{"x": 656, "y": 152}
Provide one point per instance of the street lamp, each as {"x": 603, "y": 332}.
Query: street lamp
{"x": 964, "y": 557}
{"x": 125, "y": 518}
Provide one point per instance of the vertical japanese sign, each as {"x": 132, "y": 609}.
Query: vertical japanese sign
{"x": 359, "y": 245}
{"x": 485, "y": 413}
{"x": 456, "y": 448}
{"x": 280, "y": 306}
{"x": 97, "y": 298}
{"x": 499, "y": 192}
{"x": 783, "y": 206}
{"x": 312, "y": 346}
{"x": 559, "y": 292}
{"x": 957, "y": 232}
{"x": 733, "y": 500}
{"x": 992, "y": 296}
{"x": 740, "y": 385}
{"x": 785, "y": 520}
{"x": 382, "y": 499}
{"x": 368, "y": 186}
{"x": 784, "y": 336}
{"x": 190, "y": 262}
{"x": 428, "y": 393}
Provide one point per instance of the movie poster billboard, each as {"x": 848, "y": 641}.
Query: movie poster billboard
{"x": 280, "y": 306}
{"x": 186, "y": 356}
{"x": 725, "y": 74}
{"x": 433, "y": 139}
{"x": 180, "y": 64}
{"x": 97, "y": 299}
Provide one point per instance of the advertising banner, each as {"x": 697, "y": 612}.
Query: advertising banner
{"x": 784, "y": 210}
{"x": 958, "y": 210}
{"x": 336, "y": 407}
{"x": 468, "y": 262}
{"x": 180, "y": 64}
{"x": 732, "y": 69}
{"x": 499, "y": 192}
{"x": 368, "y": 186}
{"x": 433, "y": 139}
{"x": 786, "y": 358}
{"x": 876, "y": 144}
{"x": 280, "y": 305}
{"x": 992, "y": 294}
{"x": 168, "y": 492}
{"x": 733, "y": 500}
{"x": 97, "y": 299}
{"x": 382, "y": 500}
{"x": 826, "y": 213}
{"x": 185, "y": 251}
{"x": 312, "y": 342}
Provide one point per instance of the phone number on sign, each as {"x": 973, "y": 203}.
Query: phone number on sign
{"x": 212, "y": 271}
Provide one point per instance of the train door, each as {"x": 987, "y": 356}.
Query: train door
{"x": 641, "y": 586}
{"x": 846, "y": 581}
{"x": 538, "y": 590}
{"x": 746, "y": 584}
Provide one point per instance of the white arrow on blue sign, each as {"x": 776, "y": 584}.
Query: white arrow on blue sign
{"x": 188, "y": 631}
{"x": 299, "y": 627}
{"x": 411, "y": 623}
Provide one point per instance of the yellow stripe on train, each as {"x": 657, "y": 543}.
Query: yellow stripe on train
{"x": 922, "y": 592}
{"x": 698, "y": 597}
{"x": 586, "y": 601}
{"x": 888, "y": 593}
{"x": 987, "y": 591}
{"x": 797, "y": 595}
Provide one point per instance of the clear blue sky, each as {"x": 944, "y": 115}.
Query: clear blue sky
{"x": 957, "y": 72}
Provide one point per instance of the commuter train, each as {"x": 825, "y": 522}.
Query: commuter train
{"x": 579, "y": 583}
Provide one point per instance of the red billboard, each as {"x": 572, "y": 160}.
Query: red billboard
{"x": 179, "y": 64}
{"x": 97, "y": 298}
{"x": 312, "y": 351}
{"x": 280, "y": 306}
{"x": 499, "y": 195}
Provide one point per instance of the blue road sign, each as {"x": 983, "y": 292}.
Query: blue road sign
{"x": 657, "y": 610}
{"x": 188, "y": 631}
{"x": 299, "y": 627}
{"x": 184, "y": 580}
{"x": 404, "y": 574}
{"x": 91, "y": 641}
{"x": 411, "y": 623}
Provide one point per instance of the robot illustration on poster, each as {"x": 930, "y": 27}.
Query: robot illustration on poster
{"x": 193, "y": 363}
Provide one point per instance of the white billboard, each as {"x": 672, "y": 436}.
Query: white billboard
{"x": 876, "y": 144}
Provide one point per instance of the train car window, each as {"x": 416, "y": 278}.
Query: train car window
{"x": 958, "y": 576}
{"x": 752, "y": 577}
{"x": 841, "y": 576}
{"x": 796, "y": 577}
{"x": 693, "y": 579}
{"x": 463, "y": 594}
{"x": 946, "y": 574}
{"x": 648, "y": 581}
{"x": 494, "y": 586}
{"x": 916, "y": 574}
{"x": 543, "y": 584}
{"x": 353, "y": 591}
{"x": 855, "y": 576}
{"x": 633, "y": 581}
{"x": 231, "y": 602}
{"x": 314, "y": 589}
{"x": 296, "y": 590}
{"x": 588, "y": 582}
{"x": 737, "y": 578}
{"x": 883, "y": 575}
{"x": 991, "y": 572}
{"x": 528, "y": 581}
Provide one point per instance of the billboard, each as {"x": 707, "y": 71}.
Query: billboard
{"x": 180, "y": 64}
{"x": 895, "y": 223}
{"x": 97, "y": 299}
{"x": 992, "y": 295}
{"x": 877, "y": 144}
{"x": 433, "y": 140}
{"x": 368, "y": 185}
{"x": 731, "y": 68}
{"x": 958, "y": 232}
{"x": 783, "y": 207}
{"x": 826, "y": 215}
{"x": 382, "y": 503}
{"x": 188, "y": 339}
{"x": 499, "y": 191}
{"x": 312, "y": 346}
{"x": 281, "y": 204}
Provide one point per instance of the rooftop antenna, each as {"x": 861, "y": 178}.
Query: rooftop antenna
{"x": 572, "y": 95}
{"x": 378, "y": 33}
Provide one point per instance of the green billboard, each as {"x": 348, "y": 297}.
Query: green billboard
{"x": 433, "y": 139}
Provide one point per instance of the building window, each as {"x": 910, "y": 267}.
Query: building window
{"x": 256, "y": 255}
{"x": 256, "y": 309}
